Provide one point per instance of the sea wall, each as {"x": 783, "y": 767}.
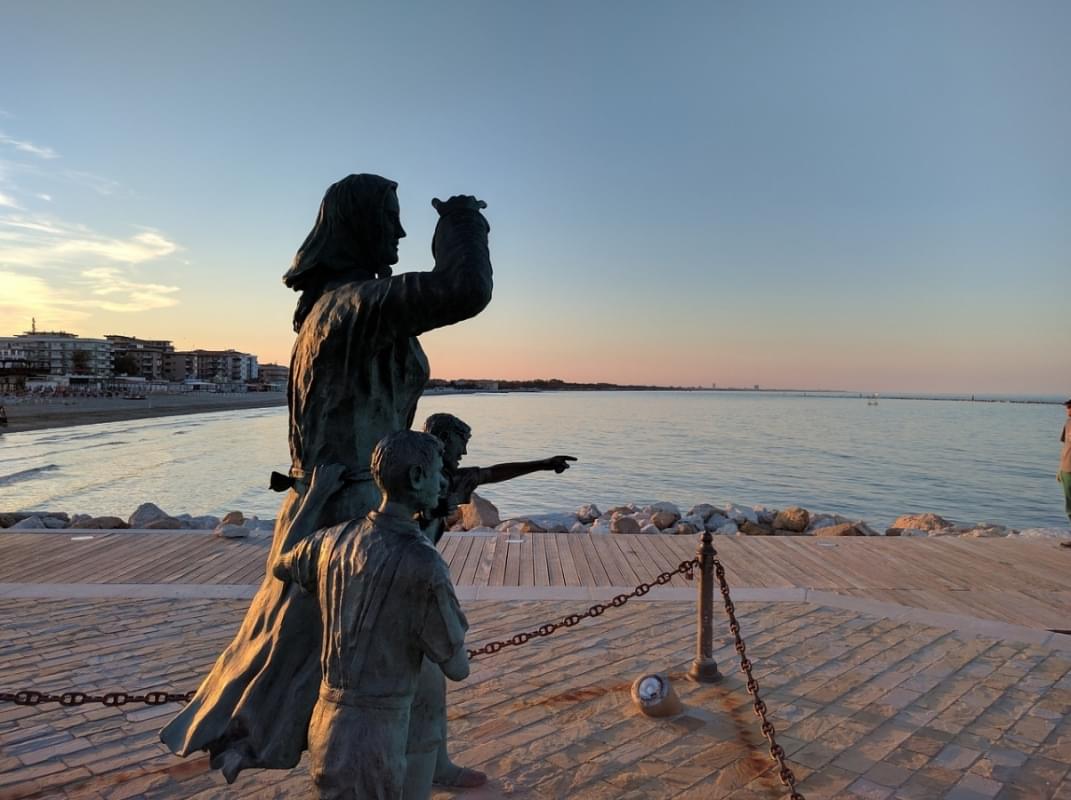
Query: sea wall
{"x": 481, "y": 516}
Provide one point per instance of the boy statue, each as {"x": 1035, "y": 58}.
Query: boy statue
{"x": 388, "y": 608}
{"x": 427, "y": 729}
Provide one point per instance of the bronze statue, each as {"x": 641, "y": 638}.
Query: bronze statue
{"x": 428, "y": 718}
{"x": 387, "y": 607}
{"x": 356, "y": 374}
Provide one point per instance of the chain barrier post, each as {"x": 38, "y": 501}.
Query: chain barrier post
{"x": 705, "y": 668}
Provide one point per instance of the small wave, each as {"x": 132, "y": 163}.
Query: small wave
{"x": 26, "y": 474}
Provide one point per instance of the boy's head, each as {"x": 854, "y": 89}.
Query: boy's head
{"x": 453, "y": 433}
{"x": 408, "y": 468}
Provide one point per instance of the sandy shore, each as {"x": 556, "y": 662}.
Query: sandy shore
{"x": 61, "y": 413}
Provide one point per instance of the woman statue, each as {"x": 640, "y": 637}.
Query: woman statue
{"x": 356, "y": 374}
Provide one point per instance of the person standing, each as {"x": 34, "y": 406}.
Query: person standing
{"x": 1064, "y": 475}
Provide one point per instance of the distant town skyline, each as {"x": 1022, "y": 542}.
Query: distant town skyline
{"x": 864, "y": 196}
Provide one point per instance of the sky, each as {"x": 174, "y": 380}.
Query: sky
{"x": 855, "y": 195}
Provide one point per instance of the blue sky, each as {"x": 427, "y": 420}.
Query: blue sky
{"x": 855, "y": 195}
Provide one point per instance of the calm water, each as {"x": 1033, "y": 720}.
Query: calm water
{"x": 967, "y": 461}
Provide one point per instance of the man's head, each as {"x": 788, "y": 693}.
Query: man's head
{"x": 408, "y": 468}
{"x": 1067, "y": 405}
{"x": 453, "y": 433}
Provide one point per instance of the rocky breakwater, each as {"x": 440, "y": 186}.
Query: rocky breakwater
{"x": 146, "y": 517}
{"x": 729, "y": 519}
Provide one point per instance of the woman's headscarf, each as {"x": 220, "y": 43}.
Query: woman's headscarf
{"x": 347, "y": 238}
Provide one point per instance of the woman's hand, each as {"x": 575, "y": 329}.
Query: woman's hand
{"x": 457, "y": 203}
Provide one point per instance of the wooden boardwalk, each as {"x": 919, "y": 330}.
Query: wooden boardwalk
{"x": 1024, "y": 582}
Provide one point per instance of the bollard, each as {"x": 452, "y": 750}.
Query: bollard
{"x": 705, "y": 668}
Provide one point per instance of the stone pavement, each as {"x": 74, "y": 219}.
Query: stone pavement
{"x": 866, "y": 705}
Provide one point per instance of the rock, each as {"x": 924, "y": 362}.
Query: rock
{"x": 205, "y": 522}
{"x": 588, "y": 513}
{"x": 623, "y": 523}
{"x": 714, "y": 522}
{"x": 686, "y": 529}
{"x": 84, "y": 517}
{"x": 146, "y": 513}
{"x": 980, "y": 533}
{"x": 233, "y": 518}
{"x": 894, "y": 531}
{"x": 565, "y": 520}
{"x": 456, "y": 528}
{"x": 253, "y": 523}
{"x": 664, "y": 519}
{"x": 766, "y": 516}
{"x": 650, "y": 528}
{"x": 820, "y": 521}
{"x": 164, "y": 524}
{"x": 228, "y": 531}
{"x": 695, "y": 521}
{"x": 728, "y": 529}
{"x": 600, "y": 525}
{"x": 7, "y": 520}
{"x": 625, "y": 509}
{"x": 922, "y": 522}
{"x": 32, "y": 522}
{"x": 557, "y": 527}
{"x": 663, "y": 505}
{"x": 479, "y": 513}
{"x": 793, "y": 519}
{"x": 1045, "y": 533}
{"x": 703, "y": 510}
{"x": 54, "y": 523}
{"x": 99, "y": 524}
{"x": 738, "y": 513}
{"x": 579, "y": 527}
{"x": 841, "y": 529}
{"x": 527, "y": 526}
{"x": 755, "y": 529}
{"x": 865, "y": 529}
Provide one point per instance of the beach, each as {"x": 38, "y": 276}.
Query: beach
{"x": 28, "y": 414}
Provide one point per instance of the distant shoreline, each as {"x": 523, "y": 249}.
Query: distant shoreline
{"x": 63, "y": 413}
{"x": 29, "y": 416}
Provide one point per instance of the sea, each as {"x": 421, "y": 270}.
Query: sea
{"x": 864, "y": 458}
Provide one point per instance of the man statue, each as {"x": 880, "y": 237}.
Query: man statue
{"x": 387, "y": 607}
{"x": 428, "y": 720}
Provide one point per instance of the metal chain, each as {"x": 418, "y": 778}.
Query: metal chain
{"x": 777, "y": 753}
{"x": 685, "y": 568}
{"x": 28, "y": 697}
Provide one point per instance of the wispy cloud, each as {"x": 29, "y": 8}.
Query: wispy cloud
{"x": 44, "y": 243}
{"x": 24, "y": 146}
{"x": 118, "y": 292}
{"x": 63, "y": 272}
{"x": 8, "y": 201}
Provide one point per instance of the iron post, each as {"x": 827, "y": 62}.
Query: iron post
{"x": 705, "y": 668}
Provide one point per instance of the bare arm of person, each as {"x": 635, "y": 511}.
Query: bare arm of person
{"x": 506, "y": 472}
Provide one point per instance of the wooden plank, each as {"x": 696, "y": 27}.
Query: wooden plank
{"x": 598, "y": 569}
{"x": 569, "y": 568}
{"x": 472, "y": 562}
{"x": 540, "y": 568}
{"x": 580, "y": 559}
{"x": 458, "y": 554}
{"x": 487, "y": 559}
{"x": 554, "y": 561}
{"x": 498, "y": 565}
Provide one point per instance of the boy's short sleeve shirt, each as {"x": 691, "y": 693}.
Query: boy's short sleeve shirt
{"x": 442, "y": 633}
